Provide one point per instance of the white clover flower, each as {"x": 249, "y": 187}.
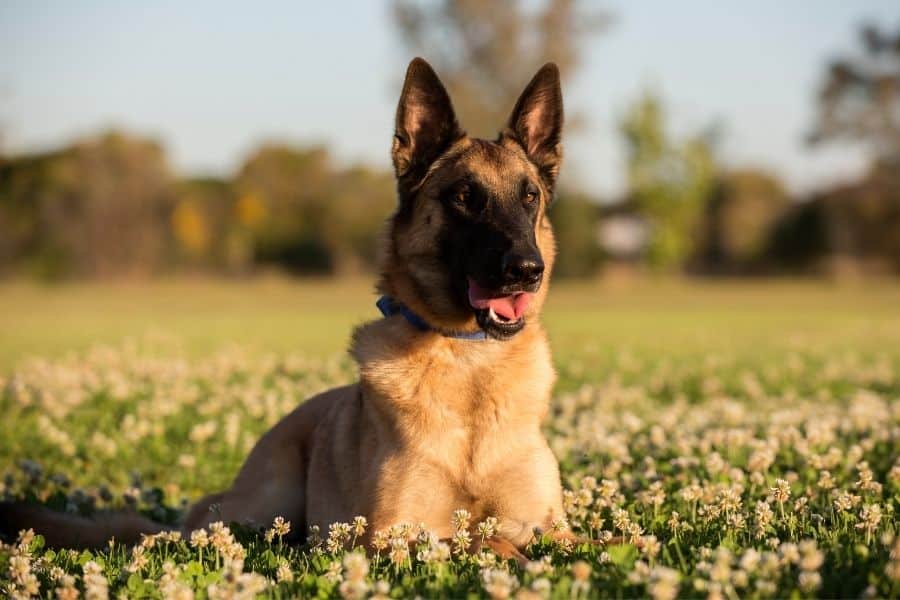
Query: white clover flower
{"x": 220, "y": 536}
{"x": 334, "y": 573}
{"x": 487, "y": 529}
{"x": 870, "y": 518}
{"x": 436, "y": 552}
{"x": 382, "y": 590}
{"x": 461, "y": 541}
{"x": 826, "y": 481}
{"x": 281, "y": 527}
{"x": 356, "y": 566}
{"x": 650, "y": 546}
{"x": 138, "y": 560}
{"x": 498, "y": 583}
{"x": 353, "y": 589}
{"x": 640, "y": 573}
{"x": 380, "y": 540}
{"x": 96, "y": 587}
{"x": 199, "y": 538}
{"x": 236, "y": 584}
{"x": 809, "y": 581}
{"x": 763, "y": 516}
{"x": 67, "y": 589}
{"x": 621, "y": 520}
{"x": 761, "y": 459}
{"x": 654, "y": 495}
{"x": 359, "y": 525}
{"x": 542, "y": 587}
{"x": 750, "y": 560}
{"x": 581, "y": 574}
{"x": 20, "y": 572}
{"x": 782, "y": 491}
{"x": 789, "y": 553}
{"x": 539, "y": 567}
{"x": 663, "y": 584}
{"x": 485, "y": 559}
{"x": 284, "y": 572}
{"x": 399, "y": 553}
{"x": 461, "y": 519}
{"x": 559, "y": 525}
{"x": 338, "y": 536}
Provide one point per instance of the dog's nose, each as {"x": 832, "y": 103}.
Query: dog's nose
{"x": 522, "y": 269}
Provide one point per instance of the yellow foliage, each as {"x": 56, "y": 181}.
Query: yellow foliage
{"x": 190, "y": 227}
{"x": 250, "y": 210}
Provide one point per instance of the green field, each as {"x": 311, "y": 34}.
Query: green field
{"x": 315, "y": 318}
{"x": 743, "y": 436}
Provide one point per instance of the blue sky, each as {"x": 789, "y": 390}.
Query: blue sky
{"x": 213, "y": 79}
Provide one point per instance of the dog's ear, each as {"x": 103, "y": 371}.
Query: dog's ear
{"x": 426, "y": 124}
{"x": 536, "y": 122}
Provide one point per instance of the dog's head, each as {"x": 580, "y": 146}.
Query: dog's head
{"x": 470, "y": 245}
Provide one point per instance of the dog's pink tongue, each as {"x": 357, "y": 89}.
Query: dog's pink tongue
{"x": 510, "y": 307}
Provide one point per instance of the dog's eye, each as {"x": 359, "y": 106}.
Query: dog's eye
{"x": 531, "y": 195}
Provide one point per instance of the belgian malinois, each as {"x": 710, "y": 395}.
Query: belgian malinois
{"x": 454, "y": 381}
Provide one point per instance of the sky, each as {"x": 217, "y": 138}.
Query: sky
{"x": 212, "y": 80}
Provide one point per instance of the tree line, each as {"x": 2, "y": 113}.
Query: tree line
{"x": 111, "y": 205}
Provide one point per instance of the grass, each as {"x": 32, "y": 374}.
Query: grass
{"x": 743, "y": 437}
{"x": 316, "y": 317}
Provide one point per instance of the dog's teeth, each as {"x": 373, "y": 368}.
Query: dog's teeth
{"x": 497, "y": 318}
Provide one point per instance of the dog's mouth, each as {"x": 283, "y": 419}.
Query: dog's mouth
{"x": 500, "y": 313}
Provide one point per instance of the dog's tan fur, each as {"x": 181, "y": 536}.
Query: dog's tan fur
{"x": 434, "y": 423}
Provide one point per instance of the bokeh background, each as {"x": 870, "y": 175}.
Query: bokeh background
{"x": 191, "y": 194}
{"x": 219, "y": 172}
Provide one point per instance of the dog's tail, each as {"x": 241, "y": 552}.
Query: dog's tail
{"x": 62, "y": 530}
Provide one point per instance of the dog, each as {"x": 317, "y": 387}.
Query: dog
{"x": 454, "y": 381}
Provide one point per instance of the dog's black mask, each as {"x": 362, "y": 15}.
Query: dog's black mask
{"x": 480, "y": 203}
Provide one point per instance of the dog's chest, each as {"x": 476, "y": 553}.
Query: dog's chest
{"x": 470, "y": 422}
{"x": 459, "y": 427}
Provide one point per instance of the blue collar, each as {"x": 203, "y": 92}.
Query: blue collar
{"x": 390, "y": 307}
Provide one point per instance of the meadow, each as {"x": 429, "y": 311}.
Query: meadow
{"x": 744, "y": 438}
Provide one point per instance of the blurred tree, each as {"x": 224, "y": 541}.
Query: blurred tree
{"x": 857, "y": 225}
{"x": 669, "y": 182}
{"x": 98, "y": 208}
{"x": 308, "y": 216}
{"x": 363, "y": 199}
{"x": 849, "y": 230}
{"x": 203, "y": 226}
{"x": 860, "y": 97}
{"x": 115, "y": 195}
{"x": 485, "y": 52}
{"x": 743, "y": 209}
{"x": 22, "y": 181}
{"x": 291, "y": 186}
{"x": 191, "y": 227}
{"x": 574, "y": 219}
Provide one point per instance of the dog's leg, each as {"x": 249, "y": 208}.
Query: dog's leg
{"x": 255, "y": 502}
{"x": 199, "y": 513}
{"x": 501, "y": 546}
{"x": 272, "y": 483}
{"x": 577, "y": 539}
{"x": 63, "y": 530}
{"x": 506, "y": 550}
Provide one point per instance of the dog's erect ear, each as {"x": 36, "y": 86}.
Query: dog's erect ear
{"x": 536, "y": 122}
{"x": 426, "y": 124}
